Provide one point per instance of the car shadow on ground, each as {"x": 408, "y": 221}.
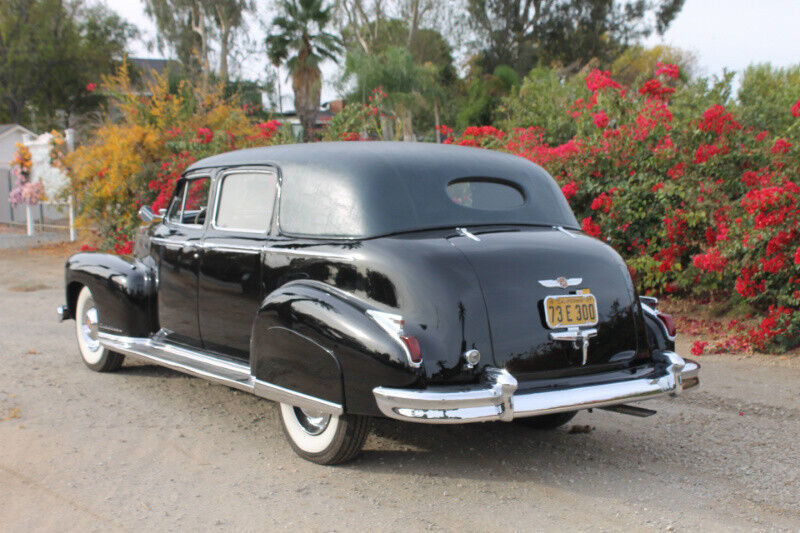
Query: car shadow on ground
{"x": 149, "y": 370}
{"x": 490, "y": 451}
{"x": 498, "y": 451}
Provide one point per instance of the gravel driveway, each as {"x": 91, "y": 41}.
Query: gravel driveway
{"x": 148, "y": 448}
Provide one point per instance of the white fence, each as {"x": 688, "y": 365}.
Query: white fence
{"x": 47, "y": 216}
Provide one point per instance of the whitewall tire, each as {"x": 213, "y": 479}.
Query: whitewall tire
{"x": 322, "y": 438}
{"x": 87, "y": 320}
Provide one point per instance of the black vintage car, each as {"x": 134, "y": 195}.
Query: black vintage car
{"x": 420, "y": 282}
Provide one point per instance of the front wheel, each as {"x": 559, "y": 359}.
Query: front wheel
{"x": 322, "y": 438}
{"x": 94, "y": 355}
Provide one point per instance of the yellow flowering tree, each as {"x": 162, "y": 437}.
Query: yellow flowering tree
{"x": 144, "y": 144}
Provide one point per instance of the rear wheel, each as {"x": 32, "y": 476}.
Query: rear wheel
{"x": 94, "y": 355}
{"x": 322, "y": 438}
{"x": 545, "y": 422}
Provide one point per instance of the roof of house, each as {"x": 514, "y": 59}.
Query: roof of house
{"x": 8, "y": 128}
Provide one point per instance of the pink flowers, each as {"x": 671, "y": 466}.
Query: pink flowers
{"x": 600, "y": 119}
{"x": 718, "y": 121}
{"x": 91, "y": 87}
{"x": 655, "y": 89}
{"x": 569, "y": 190}
{"x": 711, "y": 261}
{"x": 698, "y": 348}
{"x": 599, "y": 79}
{"x": 204, "y": 135}
{"x": 796, "y": 109}
{"x": 590, "y": 228}
{"x": 667, "y": 70}
{"x": 705, "y": 152}
{"x": 781, "y": 146}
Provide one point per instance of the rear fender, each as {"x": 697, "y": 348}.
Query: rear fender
{"x": 317, "y": 340}
{"x": 123, "y": 289}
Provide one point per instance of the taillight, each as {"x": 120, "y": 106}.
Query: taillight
{"x": 669, "y": 323}
{"x": 413, "y": 348}
{"x": 393, "y": 325}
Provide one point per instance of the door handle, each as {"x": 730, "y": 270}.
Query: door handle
{"x": 191, "y": 249}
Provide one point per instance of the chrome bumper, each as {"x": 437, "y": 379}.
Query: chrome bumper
{"x": 495, "y": 398}
{"x": 63, "y": 313}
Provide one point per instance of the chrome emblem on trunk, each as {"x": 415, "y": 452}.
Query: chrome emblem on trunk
{"x": 560, "y": 282}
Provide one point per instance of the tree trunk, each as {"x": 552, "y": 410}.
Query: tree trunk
{"x": 306, "y": 86}
{"x": 224, "y": 50}
{"x": 198, "y": 23}
{"x": 408, "y": 126}
{"x": 412, "y": 27}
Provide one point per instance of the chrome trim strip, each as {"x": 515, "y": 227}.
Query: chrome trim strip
{"x": 310, "y": 253}
{"x": 202, "y": 365}
{"x": 298, "y": 399}
{"x": 464, "y": 232}
{"x": 554, "y": 283}
{"x": 181, "y": 359}
{"x": 495, "y": 398}
{"x": 235, "y": 248}
{"x": 562, "y": 230}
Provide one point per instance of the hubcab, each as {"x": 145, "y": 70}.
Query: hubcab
{"x": 312, "y": 422}
{"x": 89, "y": 326}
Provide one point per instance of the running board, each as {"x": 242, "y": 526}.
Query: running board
{"x": 208, "y": 367}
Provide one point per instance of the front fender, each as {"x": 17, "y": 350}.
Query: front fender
{"x": 317, "y": 340}
{"x": 123, "y": 289}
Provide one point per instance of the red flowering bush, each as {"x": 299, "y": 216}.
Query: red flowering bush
{"x": 701, "y": 204}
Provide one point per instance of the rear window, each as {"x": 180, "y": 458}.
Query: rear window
{"x": 486, "y": 194}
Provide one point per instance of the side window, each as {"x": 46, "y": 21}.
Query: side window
{"x": 246, "y": 201}
{"x": 188, "y": 206}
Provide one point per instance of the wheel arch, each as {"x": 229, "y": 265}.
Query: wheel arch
{"x": 124, "y": 291}
{"x": 314, "y": 339}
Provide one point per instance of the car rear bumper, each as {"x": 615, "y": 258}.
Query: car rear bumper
{"x": 496, "y": 399}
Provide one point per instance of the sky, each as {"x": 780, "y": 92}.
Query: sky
{"x": 728, "y": 34}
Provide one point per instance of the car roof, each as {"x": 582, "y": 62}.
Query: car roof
{"x": 378, "y": 188}
{"x": 372, "y": 157}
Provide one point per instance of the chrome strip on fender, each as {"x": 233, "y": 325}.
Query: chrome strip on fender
{"x": 203, "y": 365}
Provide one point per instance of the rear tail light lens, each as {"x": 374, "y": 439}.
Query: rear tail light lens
{"x": 413, "y": 348}
{"x": 669, "y": 323}
{"x": 393, "y": 325}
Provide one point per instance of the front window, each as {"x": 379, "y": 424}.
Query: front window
{"x": 188, "y": 205}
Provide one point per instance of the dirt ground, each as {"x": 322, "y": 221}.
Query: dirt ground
{"x": 147, "y": 448}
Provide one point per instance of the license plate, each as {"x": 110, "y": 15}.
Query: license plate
{"x": 570, "y": 310}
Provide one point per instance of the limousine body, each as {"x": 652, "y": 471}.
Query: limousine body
{"x": 425, "y": 283}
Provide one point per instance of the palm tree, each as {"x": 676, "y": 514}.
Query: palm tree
{"x": 301, "y": 43}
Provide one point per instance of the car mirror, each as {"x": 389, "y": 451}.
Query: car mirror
{"x": 147, "y": 215}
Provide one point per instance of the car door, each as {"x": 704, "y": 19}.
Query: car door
{"x": 230, "y": 284}
{"x": 175, "y": 244}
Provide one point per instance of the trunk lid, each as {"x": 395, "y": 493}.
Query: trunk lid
{"x": 509, "y": 265}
